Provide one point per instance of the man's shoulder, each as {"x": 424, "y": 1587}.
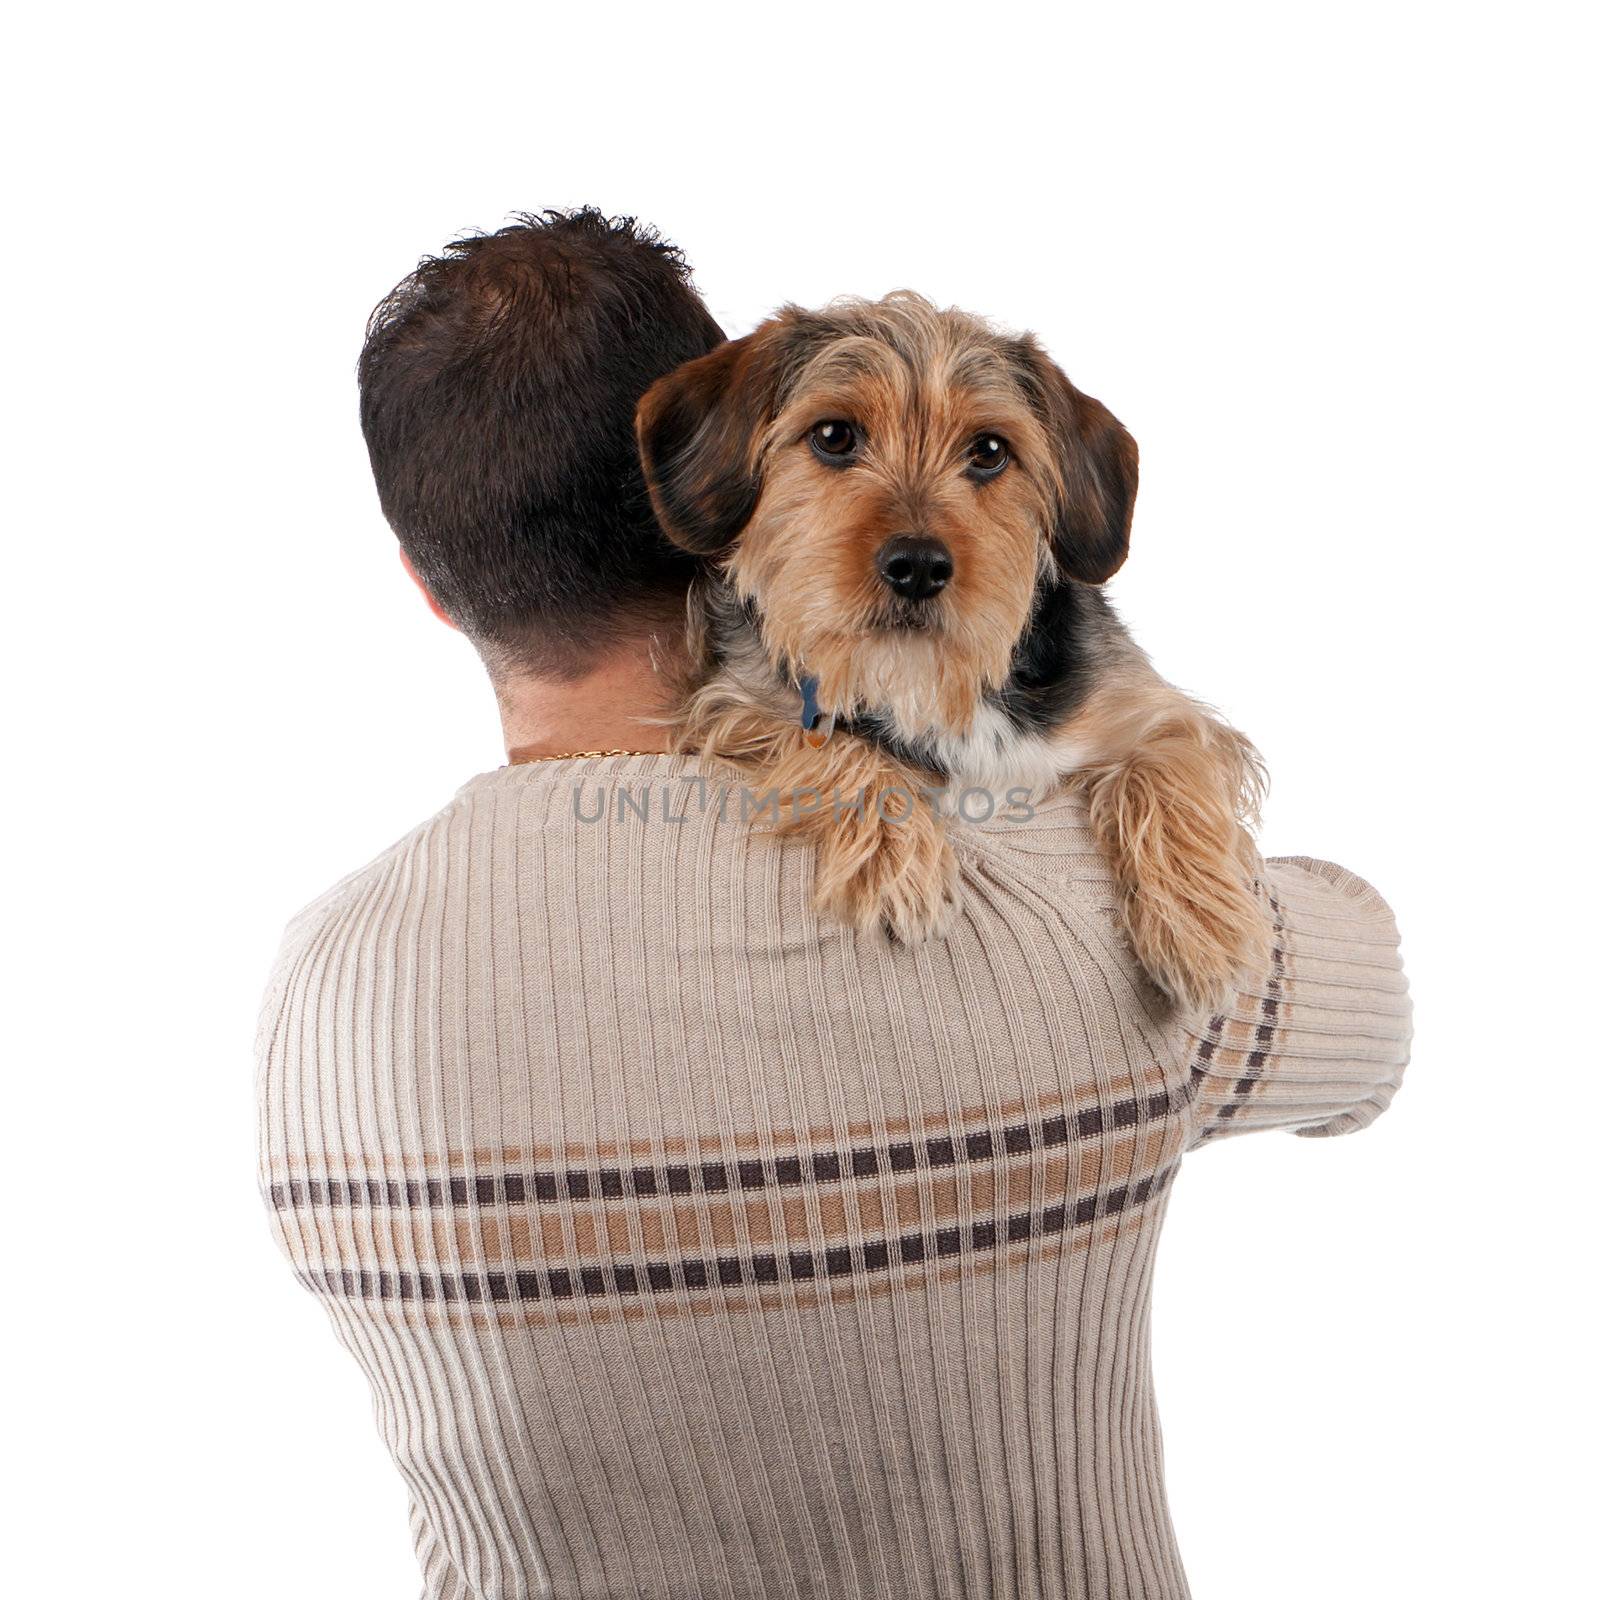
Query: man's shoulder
{"x": 316, "y": 920}
{"x": 542, "y": 854}
{"x": 482, "y": 833}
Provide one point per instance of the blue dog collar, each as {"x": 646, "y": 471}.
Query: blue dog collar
{"x": 816, "y": 725}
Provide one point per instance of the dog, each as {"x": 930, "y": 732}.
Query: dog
{"x": 905, "y": 516}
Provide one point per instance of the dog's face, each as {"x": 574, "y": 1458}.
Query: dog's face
{"x": 888, "y": 485}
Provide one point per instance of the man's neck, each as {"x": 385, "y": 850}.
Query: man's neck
{"x": 621, "y": 704}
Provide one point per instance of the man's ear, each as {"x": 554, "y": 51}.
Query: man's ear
{"x": 427, "y": 593}
{"x": 699, "y": 431}
{"x": 1096, "y": 463}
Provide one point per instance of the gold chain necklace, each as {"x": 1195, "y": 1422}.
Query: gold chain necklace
{"x": 519, "y": 757}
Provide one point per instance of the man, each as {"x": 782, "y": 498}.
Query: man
{"x": 693, "y": 1246}
{"x": 498, "y": 385}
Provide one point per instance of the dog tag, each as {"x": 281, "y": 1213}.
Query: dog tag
{"x": 817, "y": 726}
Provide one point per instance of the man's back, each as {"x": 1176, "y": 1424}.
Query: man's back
{"x": 694, "y": 1248}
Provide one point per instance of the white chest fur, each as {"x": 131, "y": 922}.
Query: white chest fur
{"x": 995, "y": 754}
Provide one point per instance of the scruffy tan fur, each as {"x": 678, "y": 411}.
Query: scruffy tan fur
{"x": 1173, "y": 794}
{"x": 793, "y": 590}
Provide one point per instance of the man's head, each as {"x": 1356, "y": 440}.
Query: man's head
{"x": 498, "y": 386}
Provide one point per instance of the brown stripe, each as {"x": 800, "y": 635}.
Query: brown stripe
{"x": 623, "y": 1278}
{"x": 527, "y": 1235}
{"x": 1239, "y": 1050}
{"x": 535, "y": 1315}
{"x": 1256, "y": 1062}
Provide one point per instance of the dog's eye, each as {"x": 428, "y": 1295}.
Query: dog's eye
{"x": 835, "y": 440}
{"x": 988, "y": 456}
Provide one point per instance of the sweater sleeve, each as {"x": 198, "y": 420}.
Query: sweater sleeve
{"x": 1318, "y": 1042}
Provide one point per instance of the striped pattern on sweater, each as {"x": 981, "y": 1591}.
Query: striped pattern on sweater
{"x": 694, "y": 1248}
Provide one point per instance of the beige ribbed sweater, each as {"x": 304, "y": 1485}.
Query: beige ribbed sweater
{"x": 694, "y": 1249}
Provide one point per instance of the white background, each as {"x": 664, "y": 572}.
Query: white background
{"x": 1329, "y": 264}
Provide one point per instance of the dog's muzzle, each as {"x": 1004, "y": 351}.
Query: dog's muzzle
{"x": 915, "y": 566}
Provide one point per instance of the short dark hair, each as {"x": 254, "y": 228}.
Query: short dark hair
{"x": 498, "y": 387}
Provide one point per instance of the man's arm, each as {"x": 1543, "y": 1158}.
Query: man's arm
{"x": 1319, "y": 1041}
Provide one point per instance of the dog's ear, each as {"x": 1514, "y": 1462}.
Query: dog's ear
{"x": 1096, "y": 467}
{"x": 699, "y": 430}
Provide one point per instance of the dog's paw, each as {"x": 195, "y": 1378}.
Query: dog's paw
{"x": 1171, "y": 820}
{"x": 890, "y": 877}
{"x": 1199, "y": 947}
{"x": 914, "y": 889}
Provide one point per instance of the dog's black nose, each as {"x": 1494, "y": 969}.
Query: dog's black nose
{"x": 915, "y": 566}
